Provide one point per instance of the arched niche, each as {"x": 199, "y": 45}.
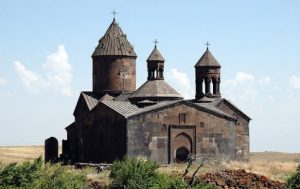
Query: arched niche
{"x": 182, "y": 145}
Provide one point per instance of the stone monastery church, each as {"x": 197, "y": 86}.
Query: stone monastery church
{"x": 115, "y": 119}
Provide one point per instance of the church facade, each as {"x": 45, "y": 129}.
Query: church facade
{"x": 154, "y": 121}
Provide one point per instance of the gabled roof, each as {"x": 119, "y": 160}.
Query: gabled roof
{"x": 155, "y": 107}
{"x": 123, "y": 108}
{"x": 207, "y": 60}
{"x": 90, "y": 99}
{"x": 87, "y": 99}
{"x": 130, "y": 110}
{"x": 213, "y": 108}
{"x": 217, "y": 102}
{"x": 114, "y": 42}
{"x": 165, "y": 104}
{"x": 155, "y": 89}
{"x": 155, "y": 56}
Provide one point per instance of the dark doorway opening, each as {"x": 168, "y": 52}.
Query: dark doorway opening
{"x": 181, "y": 154}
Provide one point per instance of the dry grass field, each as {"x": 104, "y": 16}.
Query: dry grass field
{"x": 9, "y": 154}
{"x": 275, "y": 165}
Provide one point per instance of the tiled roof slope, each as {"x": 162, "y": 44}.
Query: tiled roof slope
{"x": 90, "y": 99}
{"x": 155, "y": 88}
{"x": 155, "y": 56}
{"x": 164, "y": 104}
{"x": 128, "y": 109}
{"x": 207, "y": 59}
{"x": 123, "y": 108}
{"x": 114, "y": 42}
{"x": 123, "y": 96}
{"x": 217, "y": 102}
{"x": 212, "y": 108}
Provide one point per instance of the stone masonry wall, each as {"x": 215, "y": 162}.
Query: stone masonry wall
{"x": 154, "y": 135}
{"x": 103, "y": 136}
{"x": 242, "y": 132}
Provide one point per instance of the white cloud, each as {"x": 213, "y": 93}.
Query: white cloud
{"x": 58, "y": 74}
{"x": 265, "y": 81}
{"x": 240, "y": 78}
{"x": 241, "y": 88}
{"x": 32, "y": 81}
{"x": 180, "y": 81}
{"x": 245, "y": 90}
{"x": 59, "y": 71}
{"x": 2, "y": 82}
{"x": 294, "y": 82}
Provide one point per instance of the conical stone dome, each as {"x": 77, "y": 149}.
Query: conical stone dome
{"x": 114, "y": 42}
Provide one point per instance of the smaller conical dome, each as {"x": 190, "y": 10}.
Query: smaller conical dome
{"x": 207, "y": 60}
{"x": 155, "y": 56}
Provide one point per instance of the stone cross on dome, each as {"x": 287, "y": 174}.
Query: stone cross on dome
{"x": 114, "y": 13}
{"x": 155, "y": 42}
{"x": 207, "y": 44}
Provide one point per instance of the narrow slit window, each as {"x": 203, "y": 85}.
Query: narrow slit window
{"x": 182, "y": 118}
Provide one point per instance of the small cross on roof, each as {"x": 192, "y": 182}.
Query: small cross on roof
{"x": 114, "y": 12}
{"x": 207, "y": 44}
{"x": 155, "y": 42}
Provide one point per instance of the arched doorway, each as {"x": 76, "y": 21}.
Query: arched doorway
{"x": 181, "y": 154}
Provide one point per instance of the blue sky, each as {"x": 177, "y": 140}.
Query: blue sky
{"x": 45, "y": 49}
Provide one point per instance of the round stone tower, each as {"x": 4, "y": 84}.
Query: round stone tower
{"x": 114, "y": 64}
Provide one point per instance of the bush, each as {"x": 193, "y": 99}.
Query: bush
{"x": 166, "y": 182}
{"x": 20, "y": 175}
{"x": 139, "y": 174}
{"x": 133, "y": 173}
{"x": 35, "y": 174}
{"x": 56, "y": 176}
{"x": 293, "y": 182}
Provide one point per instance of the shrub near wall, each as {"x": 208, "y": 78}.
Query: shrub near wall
{"x": 60, "y": 177}
{"x": 36, "y": 175}
{"x": 133, "y": 173}
{"x": 140, "y": 174}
